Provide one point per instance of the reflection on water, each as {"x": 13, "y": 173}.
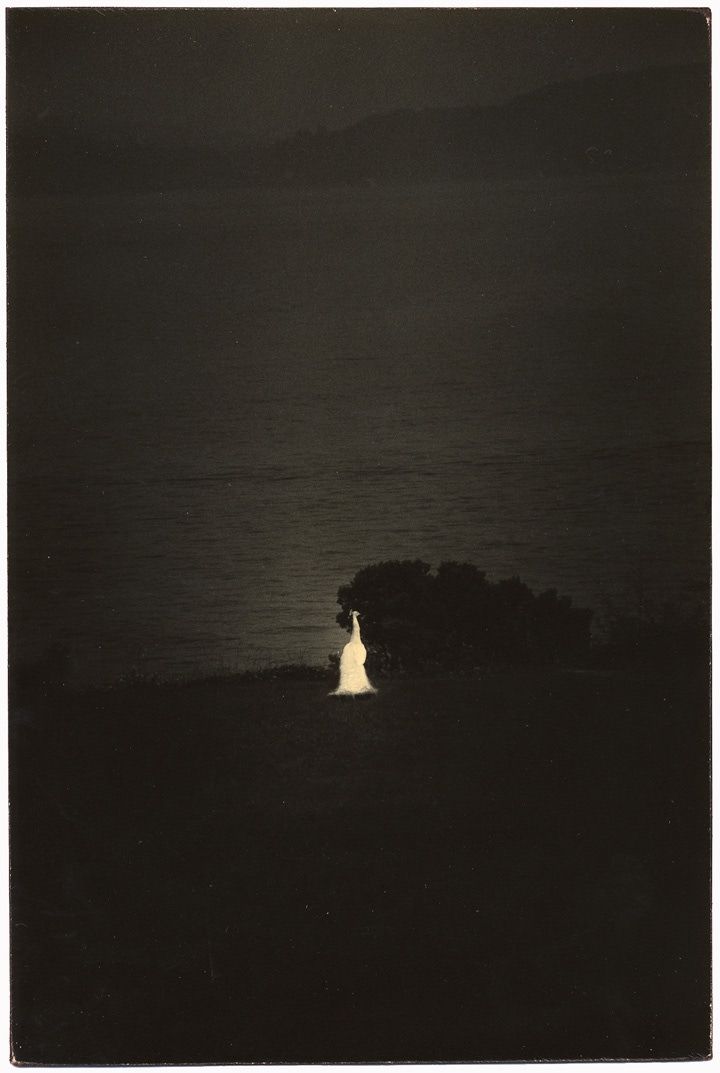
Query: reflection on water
{"x": 226, "y": 404}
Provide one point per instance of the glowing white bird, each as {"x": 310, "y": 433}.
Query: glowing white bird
{"x": 353, "y": 679}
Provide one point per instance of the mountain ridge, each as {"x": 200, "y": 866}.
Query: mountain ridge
{"x": 652, "y": 119}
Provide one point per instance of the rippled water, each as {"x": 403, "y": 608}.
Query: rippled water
{"x": 225, "y": 404}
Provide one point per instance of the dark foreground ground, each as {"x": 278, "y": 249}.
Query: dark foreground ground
{"x": 509, "y": 868}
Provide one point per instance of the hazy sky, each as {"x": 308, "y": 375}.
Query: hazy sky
{"x": 218, "y": 76}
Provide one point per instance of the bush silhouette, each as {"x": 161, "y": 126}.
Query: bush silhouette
{"x": 651, "y": 635}
{"x": 456, "y": 620}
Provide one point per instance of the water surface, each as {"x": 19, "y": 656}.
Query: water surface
{"x": 224, "y": 404}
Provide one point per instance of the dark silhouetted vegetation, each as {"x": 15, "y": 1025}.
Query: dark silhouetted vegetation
{"x": 455, "y": 619}
{"x": 652, "y": 635}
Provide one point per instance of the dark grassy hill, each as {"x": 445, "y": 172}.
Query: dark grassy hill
{"x": 513, "y": 867}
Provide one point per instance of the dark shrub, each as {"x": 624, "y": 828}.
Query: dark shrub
{"x": 456, "y": 620}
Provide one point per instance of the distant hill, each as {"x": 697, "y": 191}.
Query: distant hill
{"x": 655, "y": 119}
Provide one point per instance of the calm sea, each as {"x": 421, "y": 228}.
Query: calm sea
{"x": 224, "y": 404}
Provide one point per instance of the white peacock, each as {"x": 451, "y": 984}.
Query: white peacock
{"x": 353, "y": 679}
